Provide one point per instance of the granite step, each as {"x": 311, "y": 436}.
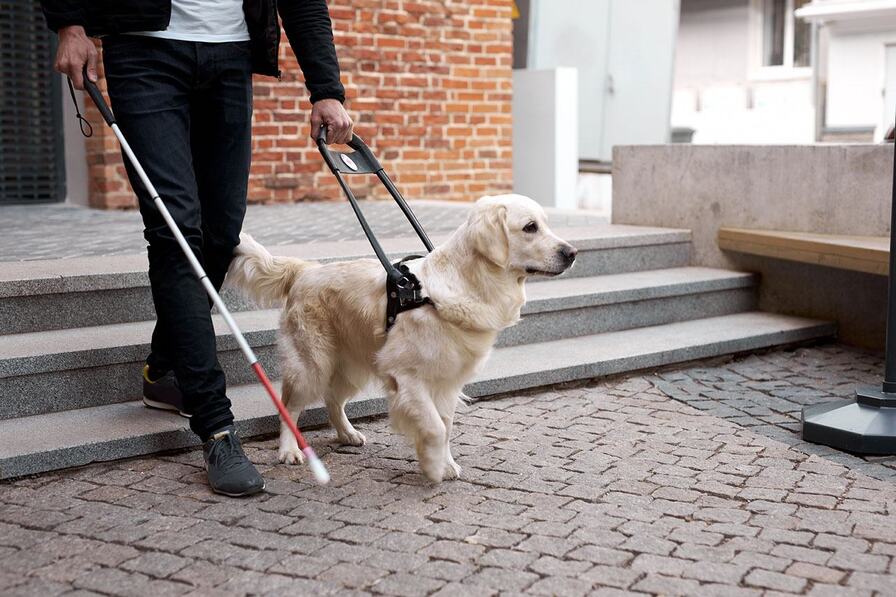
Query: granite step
{"x": 53, "y": 441}
{"x": 57, "y": 370}
{"x": 81, "y": 292}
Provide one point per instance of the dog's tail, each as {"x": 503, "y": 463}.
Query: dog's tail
{"x": 262, "y": 277}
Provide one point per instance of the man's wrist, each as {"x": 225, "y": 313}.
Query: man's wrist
{"x": 328, "y": 94}
{"x": 72, "y": 31}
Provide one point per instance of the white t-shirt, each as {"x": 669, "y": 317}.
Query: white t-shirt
{"x": 205, "y": 20}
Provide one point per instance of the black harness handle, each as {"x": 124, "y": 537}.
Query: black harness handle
{"x": 403, "y": 289}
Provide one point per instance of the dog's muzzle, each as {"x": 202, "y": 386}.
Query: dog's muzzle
{"x": 567, "y": 255}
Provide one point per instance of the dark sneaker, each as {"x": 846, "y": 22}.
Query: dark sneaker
{"x": 163, "y": 393}
{"x": 229, "y": 470}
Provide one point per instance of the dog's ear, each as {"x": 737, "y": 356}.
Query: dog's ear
{"x": 490, "y": 235}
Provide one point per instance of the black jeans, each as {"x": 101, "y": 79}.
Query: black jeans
{"x": 186, "y": 110}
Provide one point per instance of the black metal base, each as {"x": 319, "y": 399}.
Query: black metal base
{"x": 865, "y": 425}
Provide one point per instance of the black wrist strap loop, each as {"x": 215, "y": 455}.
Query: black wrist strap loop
{"x": 86, "y": 127}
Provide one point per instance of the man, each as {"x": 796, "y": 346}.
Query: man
{"x": 179, "y": 75}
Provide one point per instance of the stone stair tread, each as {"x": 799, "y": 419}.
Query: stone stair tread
{"x": 26, "y": 353}
{"x": 26, "y": 278}
{"x": 51, "y": 441}
{"x": 31, "y": 352}
{"x": 628, "y": 286}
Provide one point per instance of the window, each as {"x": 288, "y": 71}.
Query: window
{"x": 786, "y": 40}
{"x": 32, "y": 167}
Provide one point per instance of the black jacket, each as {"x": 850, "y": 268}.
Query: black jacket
{"x": 306, "y": 22}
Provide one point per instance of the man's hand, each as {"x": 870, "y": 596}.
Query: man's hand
{"x": 331, "y": 113}
{"x": 75, "y": 50}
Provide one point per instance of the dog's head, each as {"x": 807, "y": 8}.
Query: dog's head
{"x": 511, "y": 231}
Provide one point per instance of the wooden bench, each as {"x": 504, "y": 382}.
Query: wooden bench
{"x": 870, "y": 254}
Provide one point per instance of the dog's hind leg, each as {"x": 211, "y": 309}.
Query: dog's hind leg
{"x": 307, "y": 368}
{"x": 303, "y": 384}
{"x": 289, "y": 452}
{"x": 452, "y": 470}
{"x": 341, "y": 391}
{"x": 414, "y": 414}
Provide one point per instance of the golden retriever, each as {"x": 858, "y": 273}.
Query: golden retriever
{"x": 332, "y": 330}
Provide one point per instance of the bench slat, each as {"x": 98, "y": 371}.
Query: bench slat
{"x": 870, "y": 254}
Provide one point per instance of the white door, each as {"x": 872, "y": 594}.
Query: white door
{"x": 574, "y": 33}
{"x": 640, "y": 69}
{"x": 624, "y": 51}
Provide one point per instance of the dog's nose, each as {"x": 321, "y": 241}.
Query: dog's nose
{"x": 568, "y": 252}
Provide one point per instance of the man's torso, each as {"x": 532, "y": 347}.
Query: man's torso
{"x": 213, "y": 21}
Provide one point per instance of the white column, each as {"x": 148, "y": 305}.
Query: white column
{"x": 545, "y": 135}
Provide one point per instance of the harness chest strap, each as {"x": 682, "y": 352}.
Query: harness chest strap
{"x": 404, "y": 293}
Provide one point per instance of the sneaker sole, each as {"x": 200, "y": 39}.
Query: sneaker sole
{"x": 164, "y": 406}
{"x": 237, "y": 495}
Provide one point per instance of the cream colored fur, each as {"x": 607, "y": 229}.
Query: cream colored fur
{"x": 332, "y": 335}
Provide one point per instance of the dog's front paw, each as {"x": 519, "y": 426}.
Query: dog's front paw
{"x": 352, "y": 437}
{"x": 434, "y": 472}
{"x": 291, "y": 455}
{"x": 452, "y": 471}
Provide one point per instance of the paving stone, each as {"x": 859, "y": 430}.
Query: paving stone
{"x": 38, "y": 587}
{"x": 401, "y": 541}
{"x": 760, "y": 560}
{"x": 802, "y": 554}
{"x": 256, "y": 583}
{"x": 506, "y": 558}
{"x": 550, "y": 566}
{"x": 821, "y": 574}
{"x": 885, "y": 584}
{"x": 352, "y": 575}
{"x": 775, "y": 580}
{"x": 396, "y": 561}
{"x": 821, "y": 590}
{"x": 156, "y": 564}
{"x": 667, "y": 585}
{"x": 445, "y": 570}
{"x": 859, "y": 561}
{"x": 456, "y": 551}
{"x": 601, "y": 555}
{"x": 503, "y": 579}
{"x": 553, "y": 546}
{"x": 650, "y": 563}
{"x": 611, "y": 576}
{"x": 407, "y": 585}
{"x": 454, "y": 589}
{"x": 560, "y": 586}
{"x": 715, "y": 572}
{"x": 204, "y": 574}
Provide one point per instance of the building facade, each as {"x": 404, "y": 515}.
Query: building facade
{"x": 785, "y": 71}
{"x": 743, "y": 72}
{"x": 856, "y": 72}
{"x": 428, "y": 83}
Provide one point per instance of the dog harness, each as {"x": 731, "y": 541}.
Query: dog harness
{"x": 404, "y": 293}
{"x": 403, "y": 290}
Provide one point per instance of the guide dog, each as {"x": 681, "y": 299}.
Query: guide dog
{"x": 333, "y": 337}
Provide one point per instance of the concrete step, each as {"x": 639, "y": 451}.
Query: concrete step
{"x": 51, "y": 371}
{"x": 75, "y": 437}
{"x": 570, "y": 307}
{"x": 72, "y": 293}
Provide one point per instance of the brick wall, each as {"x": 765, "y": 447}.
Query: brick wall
{"x": 428, "y": 83}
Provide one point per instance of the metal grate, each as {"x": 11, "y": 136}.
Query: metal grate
{"x": 32, "y": 167}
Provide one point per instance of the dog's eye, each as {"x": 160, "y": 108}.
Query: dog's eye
{"x": 531, "y": 227}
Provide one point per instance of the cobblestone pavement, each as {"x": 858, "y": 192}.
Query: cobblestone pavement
{"x": 60, "y": 231}
{"x": 606, "y": 489}
{"x": 765, "y": 393}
